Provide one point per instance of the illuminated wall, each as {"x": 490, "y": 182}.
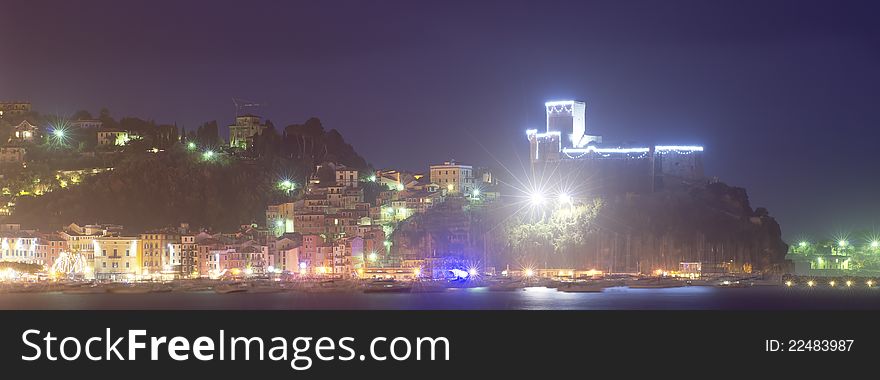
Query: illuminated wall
{"x": 640, "y": 168}
{"x": 453, "y": 178}
{"x": 116, "y": 258}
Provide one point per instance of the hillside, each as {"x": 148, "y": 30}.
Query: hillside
{"x": 713, "y": 224}
{"x": 178, "y": 184}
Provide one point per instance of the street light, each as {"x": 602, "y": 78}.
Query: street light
{"x": 287, "y": 185}
{"x": 536, "y": 198}
{"x": 191, "y": 145}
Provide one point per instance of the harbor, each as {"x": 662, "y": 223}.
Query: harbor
{"x": 465, "y": 298}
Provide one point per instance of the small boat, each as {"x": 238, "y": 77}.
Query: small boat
{"x": 129, "y": 290}
{"x": 766, "y": 282}
{"x": 655, "y": 283}
{"x": 86, "y": 290}
{"x": 229, "y": 289}
{"x": 734, "y": 284}
{"x": 161, "y": 289}
{"x": 505, "y": 285}
{"x": 336, "y": 285}
{"x": 583, "y": 287}
{"x": 196, "y": 289}
{"x": 387, "y": 286}
{"x": 265, "y": 289}
{"x": 428, "y": 287}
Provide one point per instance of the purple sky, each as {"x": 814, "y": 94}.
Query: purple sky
{"x": 784, "y": 95}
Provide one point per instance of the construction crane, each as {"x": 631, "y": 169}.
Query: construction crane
{"x": 241, "y": 103}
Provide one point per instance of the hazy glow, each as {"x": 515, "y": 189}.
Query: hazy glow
{"x": 459, "y": 274}
{"x": 564, "y": 198}
{"x": 591, "y": 148}
{"x": 682, "y": 148}
{"x": 536, "y": 198}
{"x": 556, "y": 103}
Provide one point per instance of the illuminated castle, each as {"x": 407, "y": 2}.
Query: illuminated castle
{"x": 566, "y": 145}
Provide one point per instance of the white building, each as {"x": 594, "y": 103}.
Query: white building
{"x": 453, "y": 178}
{"x": 24, "y": 132}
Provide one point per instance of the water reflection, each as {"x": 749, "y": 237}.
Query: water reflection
{"x": 536, "y": 298}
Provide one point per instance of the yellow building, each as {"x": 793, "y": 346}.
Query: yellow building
{"x": 117, "y": 258}
{"x": 453, "y": 178}
{"x": 157, "y": 248}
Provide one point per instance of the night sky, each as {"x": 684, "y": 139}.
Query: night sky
{"x": 785, "y": 96}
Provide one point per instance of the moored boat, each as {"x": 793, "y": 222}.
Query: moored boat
{"x": 129, "y": 290}
{"x": 85, "y": 290}
{"x": 583, "y": 287}
{"x": 655, "y": 283}
{"x": 428, "y": 287}
{"x": 229, "y": 289}
{"x": 387, "y": 286}
{"x": 505, "y": 285}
